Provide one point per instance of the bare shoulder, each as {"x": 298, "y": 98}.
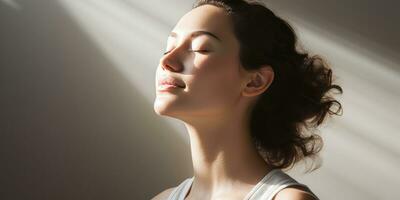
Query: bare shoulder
{"x": 293, "y": 193}
{"x": 164, "y": 194}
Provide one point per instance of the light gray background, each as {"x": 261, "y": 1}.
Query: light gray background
{"x": 77, "y": 89}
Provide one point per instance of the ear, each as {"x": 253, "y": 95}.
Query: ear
{"x": 258, "y": 81}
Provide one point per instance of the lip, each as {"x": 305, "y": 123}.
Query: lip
{"x": 167, "y": 87}
{"x": 170, "y": 81}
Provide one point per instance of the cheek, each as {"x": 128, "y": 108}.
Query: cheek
{"x": 215, "y": 83}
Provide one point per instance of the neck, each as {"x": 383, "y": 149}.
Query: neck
{"x": 223, "y": 155}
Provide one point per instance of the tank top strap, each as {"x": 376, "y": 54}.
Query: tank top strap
{"x": 274, "y": 182}
{"x": 181, "y": 190}
{"x": 266, "y": 189}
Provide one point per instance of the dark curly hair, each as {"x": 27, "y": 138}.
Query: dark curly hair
{"x": 284, "y": 119}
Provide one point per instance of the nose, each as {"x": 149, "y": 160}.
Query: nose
{"x": 172, "y": 61}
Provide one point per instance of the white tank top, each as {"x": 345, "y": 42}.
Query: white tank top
{"x": 266, "y": 189}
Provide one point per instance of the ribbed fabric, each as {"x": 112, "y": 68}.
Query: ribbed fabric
{"x": 266, "y": 189}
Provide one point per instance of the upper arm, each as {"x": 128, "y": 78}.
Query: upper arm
{"x": 164, "y": 194}
{"x": 293, "y": 194}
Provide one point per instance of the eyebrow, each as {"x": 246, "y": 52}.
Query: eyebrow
{"x": 198, "y": 33}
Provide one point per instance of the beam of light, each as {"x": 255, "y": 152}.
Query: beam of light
{"x": 132, "y": 40}
{"x": 361, "y": 146}
{"x": 364, "y": 141}
{"x": 13, "y": 4}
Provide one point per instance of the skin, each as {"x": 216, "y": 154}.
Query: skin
{"x": 214, "y": 106}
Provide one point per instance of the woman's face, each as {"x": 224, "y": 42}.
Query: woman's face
{"x": 213, "y": 78}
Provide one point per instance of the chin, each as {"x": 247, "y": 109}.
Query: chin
{"x": 162, "y": 108}
{"x": 158, "y": 108}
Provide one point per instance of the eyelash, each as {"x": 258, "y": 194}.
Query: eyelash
{"x": 201, "y": 51}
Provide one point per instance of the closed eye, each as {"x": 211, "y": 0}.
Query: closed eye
{"x": 200, "y": 51}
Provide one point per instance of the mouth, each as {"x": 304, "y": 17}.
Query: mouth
{"x": 168, "y": 87}
{"x": 167, "y": 82}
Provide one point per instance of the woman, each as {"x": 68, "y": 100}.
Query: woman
{"x": 248, "y": 99}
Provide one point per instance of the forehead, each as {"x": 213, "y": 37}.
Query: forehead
{"x": 207, "y": 18}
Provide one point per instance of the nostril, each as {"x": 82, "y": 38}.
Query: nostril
{"x": 164, "y": 68}
{"x": 169, "y": 68}
{"x": 170, "y": 65}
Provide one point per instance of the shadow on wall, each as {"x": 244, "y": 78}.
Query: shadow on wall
{"x": 77, "y": 80}
{"x": 371, "y": 26}
{"x": 360, "y": 40}
{"x": 73, "y": 127}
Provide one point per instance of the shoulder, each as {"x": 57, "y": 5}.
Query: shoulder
{"x": 293, "y": 193}
{"x": 164, "y": 194}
